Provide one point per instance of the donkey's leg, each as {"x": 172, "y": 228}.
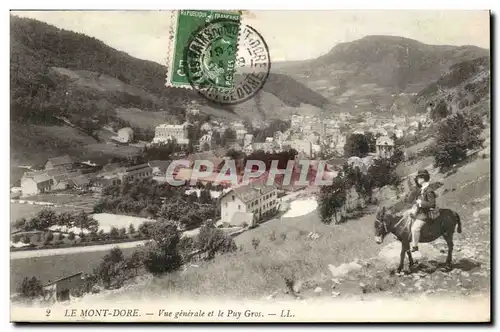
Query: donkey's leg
{"x": 404, "y": 247}
{"x": 449, "y": 241}
{"x": 410, "y": 258}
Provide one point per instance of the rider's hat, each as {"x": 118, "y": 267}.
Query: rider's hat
{"x": 423, "y": 173}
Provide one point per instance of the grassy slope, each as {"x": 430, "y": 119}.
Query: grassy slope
{"x": 253, "y": 273}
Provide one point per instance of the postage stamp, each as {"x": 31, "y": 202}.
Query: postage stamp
{"x": 218, "y": 56}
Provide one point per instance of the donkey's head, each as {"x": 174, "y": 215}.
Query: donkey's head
{"x": 380, "y": 226}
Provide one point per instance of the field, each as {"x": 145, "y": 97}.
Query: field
{"x": 141, "y": 119}
{"x": 108, "y": 220}
{"x": 18, "y": 210}
{"x": 97, "y": 150}
{"x": 53, "y": 267}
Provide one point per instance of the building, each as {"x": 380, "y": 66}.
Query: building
{"x": 159, "y": 167}
{"x": 304, "y": 146}
{"x": 33, "y": 184}
{"x": 248, "y": 139}
{"x": 206, "y": 143}
{"x": 257, "y": 199}
{"x": 125, "y": 135}
{"x": 137, "y": 172}
{"x": 206, "y": 127}
{"x": 60, "y": 162}
{"x": 60, "y": 289}
{"x": 384, "y": 147}
{"x": 167, "y": 132}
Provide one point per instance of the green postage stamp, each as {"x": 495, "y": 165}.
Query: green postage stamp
{"x": 206, "y": 58}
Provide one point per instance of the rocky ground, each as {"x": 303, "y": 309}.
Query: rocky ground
{"x": 377, "y": 276}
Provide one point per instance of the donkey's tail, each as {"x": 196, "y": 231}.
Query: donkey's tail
{"x": 459, "y": 224}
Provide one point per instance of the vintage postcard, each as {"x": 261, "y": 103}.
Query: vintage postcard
{"x": 250, "y": 166}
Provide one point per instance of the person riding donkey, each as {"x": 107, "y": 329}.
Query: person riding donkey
{"x": 425, "y": 207}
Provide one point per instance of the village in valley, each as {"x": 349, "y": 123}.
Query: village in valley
{"x": 99, "y": 214}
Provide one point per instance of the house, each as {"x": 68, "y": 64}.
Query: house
{"x": 80, "y": 182}
{"x": 206, "y": 142}
{"x": 384, "y": 146}
{"x": 60, "y": 289}
{"x": 159, "y": 167}
{"x": 137, "y": 172}
{"x": 256, "y": 198}
{"x": 167, "y": 132}
{"x": 60, "y": 162}
{"x": 248, "y": 139}
{"x": 302, "y": 146}
{"x": 206, "y": 127}
{"x": 248, "y": 149}
{"x": 125, "y": 135}
{"x": 35, "y": 183}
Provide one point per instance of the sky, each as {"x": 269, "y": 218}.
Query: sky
{"x": 290, "y": 35}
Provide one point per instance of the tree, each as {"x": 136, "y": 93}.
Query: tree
{"x": 122, "y": 233}
{"x": 19, "y": 224}
{"x": 205, "y": 196}
{"x": 131, "y": 229}
{"x": 162, "y": 254}
{"x": 146, "y": 228}
{"x": 110, "y": 268}
{"x": 456, "y": 135}
{"x": 234, "y": 154}
{"x": 49, "y": 236}
{"x": 114, "y": 233}
{"x": 371, "y": 139}
{"x": 441, "y": 111}
{"x": 45, "y": 219}
{"x": 228, "y": 136}
{"x": 332, "y": 198}
{"x": 356, "y": 145}
{"x": 134, "y": 262}
{"x": 213, "y": 240}
{"x": 30, "y": 288}
{"x": 382, "y": 172}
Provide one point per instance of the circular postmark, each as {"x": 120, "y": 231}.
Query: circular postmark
{"x": 227, "y": 62}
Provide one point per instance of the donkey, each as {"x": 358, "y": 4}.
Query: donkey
{"x": 443, "y": 225}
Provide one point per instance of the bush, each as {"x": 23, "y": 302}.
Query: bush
{"x": 30, "y": 288}
{"x": 114, "y": 233}
{"x": 122, "y": 233}
{"x": 131, "y": 229}
{"x": 16, "y": 238}
{"x": 71, "y": 236}
{"x": 213, "y": 240}
{"x": 82, "y": 236}
{"x": 456, "y": 135}
{"x": 255, "y": 243}
{"x": 26, "y": 239}
{"x": 283, "y": 236}
{"x": 49, "y": 236}
{"x": 60, "y": 236}
{"x": 272, "y": 236}
{"x": 162, "y": 254}
{"x": 110, "y": 270}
